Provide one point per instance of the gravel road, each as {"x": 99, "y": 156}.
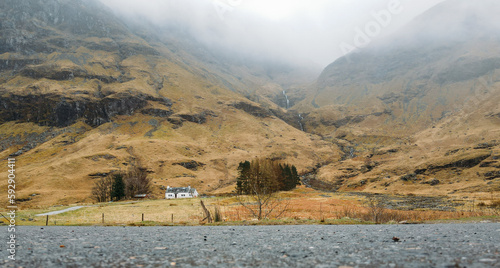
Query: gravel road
{"x": 60, "y": 211}
{"x": 439, "y": 245}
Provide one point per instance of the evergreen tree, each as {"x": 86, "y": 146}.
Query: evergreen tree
{"x": 290, "y": 177}
{"x": 118, "y": 187}
{"x": 242, "y": 185}
{"x": 295, "y": 177}
{"x": 287, "y": 176}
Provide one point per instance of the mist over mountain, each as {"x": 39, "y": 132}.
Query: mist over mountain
{"x": 420, "y": 102}
{"x": 294, "y": 32}
{"x": 421, "y": 73}
{"x": 451, "y": 21}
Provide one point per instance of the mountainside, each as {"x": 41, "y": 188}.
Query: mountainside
{"x": 84, "y": 94}
{"x": 418, "y": 76}
{"x": 419, "y": 109}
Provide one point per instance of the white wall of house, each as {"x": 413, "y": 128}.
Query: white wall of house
{"x": 184, "y": 195}
{"x": 195, "y": 193}
{"x": 189, "y": 194}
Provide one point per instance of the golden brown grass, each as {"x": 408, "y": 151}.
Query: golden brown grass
{"x": 305, "y": 206}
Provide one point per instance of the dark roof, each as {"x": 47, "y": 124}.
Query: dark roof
{"x": 176, "y": 190}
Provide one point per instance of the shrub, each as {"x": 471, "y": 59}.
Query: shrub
{"x": 218, "y": 217}
{"x": 495, "y": 204}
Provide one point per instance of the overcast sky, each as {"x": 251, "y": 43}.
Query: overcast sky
{"x": 296, "y": 31}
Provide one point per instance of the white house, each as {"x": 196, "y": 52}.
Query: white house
{"x": 180, "y": 192}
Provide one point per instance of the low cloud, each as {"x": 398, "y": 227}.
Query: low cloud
{"x": 287, "y": 31}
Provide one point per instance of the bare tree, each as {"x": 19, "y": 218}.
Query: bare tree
{"x": 137, "y": 182}
{"x": 376, "y": 205}
{"x": 261, "y": 185}
{"x": 263, "y": 205}
{"x": 102, "y": 189}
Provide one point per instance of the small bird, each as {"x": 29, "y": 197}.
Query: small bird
{"x": 395, "y": 239}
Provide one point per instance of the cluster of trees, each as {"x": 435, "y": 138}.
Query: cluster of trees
{"x": 258, "y": 183}
{"x": 265, "y": 175}
{"x": 118, "y": 186}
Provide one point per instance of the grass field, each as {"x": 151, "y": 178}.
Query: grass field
{"x": 304, "y": 206}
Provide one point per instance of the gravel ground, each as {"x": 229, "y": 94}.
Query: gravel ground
{"x": 439, "y": 245}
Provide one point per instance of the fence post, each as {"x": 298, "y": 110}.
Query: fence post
{"x": 47, "y": 221}
{"x": 172, "y": 218}
{"x": 142, "y": 216}
{"x": 102, "y": 217}
{"x": 321, "y": 212}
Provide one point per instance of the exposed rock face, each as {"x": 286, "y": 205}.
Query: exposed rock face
{"x": 57, "y": 111}
{"x": 54, "y": 72}
{"x": 493, "y": 164}
{"x": 15, "y": 65}
{"x": 351, "y": 119}
{"x": 311, "y": 182}
{"x": 492, "y": 175}
{"x": 199, "y": 118}
{"x": 487, "y": 145}
{"x": 90, "y": 43}
{"x": 191, "y": 165}
{"x": 460, "y": 162}
{"x": 30, "y": 139}
{"x": 177, "y": 120}
{"x": 466, "y": 161}
{"x": 157, "y": 112}
{"x": 252, "y": 109}
{"x": 433, "y": 182}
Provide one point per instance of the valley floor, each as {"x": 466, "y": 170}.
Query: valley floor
{"x": 300, "y": 206}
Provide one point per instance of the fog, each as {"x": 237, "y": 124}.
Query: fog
{"x": 313, "y": 33}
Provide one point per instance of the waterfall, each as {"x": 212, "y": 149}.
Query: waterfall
{"x": 300, "y": 122}
{"x": 351, "y": 152}
{"x": 287, "y": 100}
